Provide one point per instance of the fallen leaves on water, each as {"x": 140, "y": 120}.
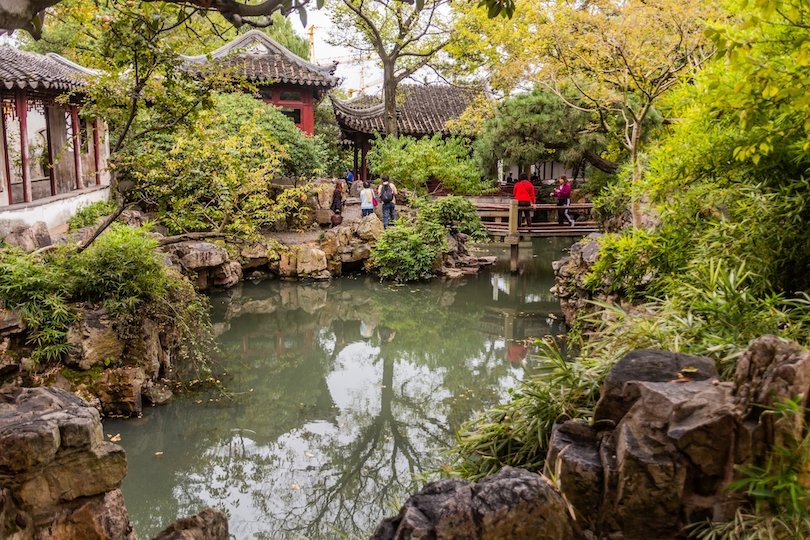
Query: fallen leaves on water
{"x": 294, "y": 486}
{"x": 114, "y": 438}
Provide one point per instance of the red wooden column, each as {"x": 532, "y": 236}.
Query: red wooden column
{"x": 96, "y": 151}
{"x": 307, "y": 112}
{"x": 51, "y": 174}
{"x": 4, "y": 140}
{"x": 22, "y": 116}
{"x": 77, "y": 145}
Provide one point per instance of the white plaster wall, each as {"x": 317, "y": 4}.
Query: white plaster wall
{"x": 54, "y": 211}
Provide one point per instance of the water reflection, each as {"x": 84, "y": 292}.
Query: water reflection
{"x": 339, "y": 395}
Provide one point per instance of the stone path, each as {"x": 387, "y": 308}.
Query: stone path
{"x": 351, "y": 214}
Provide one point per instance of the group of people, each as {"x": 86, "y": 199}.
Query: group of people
{"x": 385, "y": 195}
{"x": 525, "y": 195}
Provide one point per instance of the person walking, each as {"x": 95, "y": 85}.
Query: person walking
{"x": 337, "y": 197}
{"x": 524, "y": 194}
{"x": 349, "y": 178}
{"x": 387, "y": 193}
{"x": 563, "y": 194}
{"x": 367, "y": 200}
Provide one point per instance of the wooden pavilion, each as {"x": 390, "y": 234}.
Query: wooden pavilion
{"x": 48, "y": 151}
{"x": 422, "y": 111}
{"x": 283, "y": 79}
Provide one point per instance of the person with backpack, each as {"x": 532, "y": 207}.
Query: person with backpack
{"x": 387, "y": 193}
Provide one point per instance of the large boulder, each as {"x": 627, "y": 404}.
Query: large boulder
{"x": 197, "y": 255}
{"x": 310, "y": 261}
{"x": 60, "y": 477}
{"x": 27, "y": 238}
{"x": 119, "y": 391}
{"x": 513, "y": 503}
{"x": 771, "y": 371}
{"x": 646, "y": 365}
{"x": 210, "y": 524}
{"x": 369, "y": 228}
{"x": 94, "y": 341}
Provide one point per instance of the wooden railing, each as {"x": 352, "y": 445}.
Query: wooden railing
{"x": 501, "y": 222}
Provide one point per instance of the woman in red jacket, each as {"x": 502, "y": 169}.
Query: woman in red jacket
{"x": 523, "y": 193}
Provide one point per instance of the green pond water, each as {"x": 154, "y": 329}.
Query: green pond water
{"x": 339, "y": 398}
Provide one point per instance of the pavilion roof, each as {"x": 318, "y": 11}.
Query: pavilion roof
{"x": 30, "y": 71}
{"x": 260, "y": 59}
{"x": 422, "y": 110}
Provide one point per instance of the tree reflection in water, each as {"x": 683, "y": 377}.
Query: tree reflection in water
{"x": 341, "y": 396}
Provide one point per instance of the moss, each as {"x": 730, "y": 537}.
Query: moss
{"x": 78, "y": 377}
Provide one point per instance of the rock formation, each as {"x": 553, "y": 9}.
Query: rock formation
{"x": 666, "y": 441}
{"x": 513, "y": 504}
{"x": 60, "y": 480}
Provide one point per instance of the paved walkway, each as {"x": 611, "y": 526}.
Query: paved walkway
{"x": 351, "y": 214}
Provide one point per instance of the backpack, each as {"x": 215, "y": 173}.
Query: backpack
{"x": 387, "y": 193}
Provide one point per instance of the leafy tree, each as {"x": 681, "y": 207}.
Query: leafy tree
{"x": 539, "y": 126}
{"x": 621, "y": 57}
{"x": 412, "y": 162}
{"x": 216, "y": 173}
{"x": 405, "y": 36}
{"x": 498, "y": 51}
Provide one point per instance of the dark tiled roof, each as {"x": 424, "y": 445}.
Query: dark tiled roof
{"x": 421, "y": 110}
{"x": 31, "y": 71}
{"x": 259, "y": 59}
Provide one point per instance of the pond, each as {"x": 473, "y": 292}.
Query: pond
{"x": 339, "y": 398}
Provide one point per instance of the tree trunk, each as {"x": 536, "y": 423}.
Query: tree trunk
{"x": 390, "y": 98}
{"x": 635, "y": 205}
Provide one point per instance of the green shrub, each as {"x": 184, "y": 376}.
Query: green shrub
{"x": 120, "y": 269}
{"x": 90, "y": 214}
{"x": 217, "y": 173}
{"x": 455, "y": 214}
{"x": 40, "y": 293}
{"x": 408, "y": 252}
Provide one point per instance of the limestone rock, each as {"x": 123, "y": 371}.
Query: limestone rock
{"x": 769, "y": 372}
{"x": 10, "y": 323}
{"x": 513, "y": 503}
{"x": 370, "y": 228}
{"x": 310, "y": 260}
{"x": 94, "y": 340}
{"x": 210, "y": 524}
{"x": 646, "y": 365}
{"x": 133, "y": 218}
{"x": 228, "y": 274}
{"x": 29, "y": 238}
{"x": 101, "y": 517}
{"x": 119, "y": 391}
{"x": 156, "y": 393}
{"x": 288, "y": 264}
{"x": 573, "y": 458}
{"x": 60, "y": 478}
{"x": 671, "y": 454}
{"x": 329, "y": 243}
{"x": 254, "y": 255}
{"x": 197, "y": 255}
{"x": 323, "y": 216}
